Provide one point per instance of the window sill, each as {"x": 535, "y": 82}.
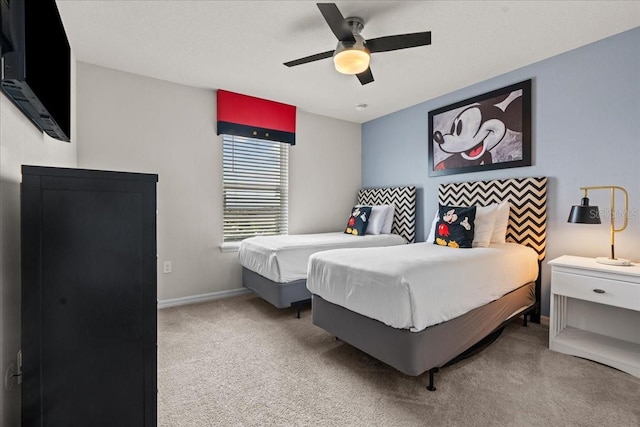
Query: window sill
{"x": 230, "y": 247}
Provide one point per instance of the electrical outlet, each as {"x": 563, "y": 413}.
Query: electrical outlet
{"x": 166, "y": 267}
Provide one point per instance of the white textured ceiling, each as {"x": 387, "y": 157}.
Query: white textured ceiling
{"x": 241, "y": 45}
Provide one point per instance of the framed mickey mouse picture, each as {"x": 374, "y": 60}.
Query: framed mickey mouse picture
{"x": 489, "y": 131}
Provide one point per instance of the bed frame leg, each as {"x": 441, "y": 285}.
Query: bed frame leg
{"x": 531, "y": 313}
{"x": 432, "y": 371}
{"x": 298, "y": 305}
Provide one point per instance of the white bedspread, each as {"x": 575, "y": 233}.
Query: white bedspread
{"x": 284, "y": 258}
{"x": 419, "y": 285}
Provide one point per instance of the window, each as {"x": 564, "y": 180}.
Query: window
{"x": 256, "y": 182}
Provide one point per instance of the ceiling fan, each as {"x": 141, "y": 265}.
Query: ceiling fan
{"x": 352, "y": 55}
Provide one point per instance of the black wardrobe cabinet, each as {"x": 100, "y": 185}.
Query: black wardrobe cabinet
{"x": 88, "y": 298}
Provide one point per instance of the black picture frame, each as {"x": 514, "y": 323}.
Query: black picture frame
{"x": 486, "y": 132}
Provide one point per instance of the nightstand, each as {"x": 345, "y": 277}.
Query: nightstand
{"x": 595, "y": 312}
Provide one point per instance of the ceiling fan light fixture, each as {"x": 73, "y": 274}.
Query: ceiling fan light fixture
{"x": 351, "y": 61}
{"x": 352, "y": 58}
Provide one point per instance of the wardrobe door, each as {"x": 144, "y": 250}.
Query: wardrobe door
{"x": 89, "y": 298}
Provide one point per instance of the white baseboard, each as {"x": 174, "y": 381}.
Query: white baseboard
{"x": 544, "y": 320}
{"x": 193, "y": 299}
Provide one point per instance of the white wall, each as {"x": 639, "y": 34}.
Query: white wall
{"x": 20, "y": 143}
{"x": 324, "y": 174}
{"x": 133, "y": 123}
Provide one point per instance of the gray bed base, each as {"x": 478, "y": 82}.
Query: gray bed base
{"x": 281, "y": 295}
{"x": 414, "y": 353}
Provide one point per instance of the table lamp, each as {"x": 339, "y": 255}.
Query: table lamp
{"x": 586, "y": 214}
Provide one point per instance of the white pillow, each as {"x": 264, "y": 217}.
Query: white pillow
{"x": 432, "y": 231}
{"x": 484, "y": 223}
{"x": 502, "y": 220}
{"x": 388, "y": 222}
{"x": 376, "y": 219}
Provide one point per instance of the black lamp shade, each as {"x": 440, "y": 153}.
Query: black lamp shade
{"x": 584, "y": 214}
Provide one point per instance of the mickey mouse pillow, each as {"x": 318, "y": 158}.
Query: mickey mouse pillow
{"x": 358, "y": 221}
{"x": 455, "y": 226}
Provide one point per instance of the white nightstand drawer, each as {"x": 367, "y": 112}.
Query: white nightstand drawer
{"x": 602, "y": 291}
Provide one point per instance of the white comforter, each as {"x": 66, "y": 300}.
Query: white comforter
{"x": 284, "y": 258}
{"x": 419, "y": 285}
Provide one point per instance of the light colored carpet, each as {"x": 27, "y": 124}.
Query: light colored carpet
{"x": 240, "y": 361}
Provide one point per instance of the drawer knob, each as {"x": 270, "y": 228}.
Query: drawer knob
{"x": 599, "y": 291}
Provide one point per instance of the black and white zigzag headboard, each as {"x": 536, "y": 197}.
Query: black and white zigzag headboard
{"x": 528, "y": 199}
{"x": 404, "y": 199}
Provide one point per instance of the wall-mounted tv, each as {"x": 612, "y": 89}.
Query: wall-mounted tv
{"x": 36, "y": 64}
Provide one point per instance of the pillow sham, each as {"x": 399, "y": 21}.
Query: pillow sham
{"x": 358, "y": 221}
{"x": 376, "y": 219}
{"x": 484, "y": 225}
{"x": 485, "y": 220}
{"x": 499, "y": 233}
{"x": 432, "y": 232}
{"x": 388, "y": 222}
{"x": 455, "y": 227}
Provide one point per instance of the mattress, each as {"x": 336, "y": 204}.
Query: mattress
{"x": 284, "y": 259}
{"x": 416, "y": 286}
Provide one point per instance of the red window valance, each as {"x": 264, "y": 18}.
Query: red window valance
{"x": 252, "y": 117}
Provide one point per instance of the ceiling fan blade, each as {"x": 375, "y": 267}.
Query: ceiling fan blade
{"x": 306, "y": 59}
{"x": 400, "y": 41}
{"x": 336, "y": 22}
{"x": 365, "y": 77}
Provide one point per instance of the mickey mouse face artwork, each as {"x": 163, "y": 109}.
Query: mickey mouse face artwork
{"x": 471, "y": 138}
{"x": 476, "y": 130}
{"x": 480, "y": 133}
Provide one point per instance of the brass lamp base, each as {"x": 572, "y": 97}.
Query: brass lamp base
{"x": 617, "y": 261}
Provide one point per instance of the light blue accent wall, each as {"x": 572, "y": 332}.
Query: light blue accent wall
{"x": 585, "y": 131}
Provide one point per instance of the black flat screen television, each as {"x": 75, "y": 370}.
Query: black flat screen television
{"x": 36, "y": 64}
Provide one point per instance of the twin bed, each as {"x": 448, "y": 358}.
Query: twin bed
{"x": 419, "y": 307}
{"x": 275, "y": 267}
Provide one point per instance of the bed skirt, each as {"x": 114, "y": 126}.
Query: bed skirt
{"x": 414, "y": 353}
{"x": 281, "y": 295}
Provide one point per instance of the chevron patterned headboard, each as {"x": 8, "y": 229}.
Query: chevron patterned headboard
{"x": 528, "y": 199}
{"x": 404, "y": 199}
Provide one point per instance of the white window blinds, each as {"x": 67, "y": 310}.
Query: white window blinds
{"x": 256, "y": 181}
